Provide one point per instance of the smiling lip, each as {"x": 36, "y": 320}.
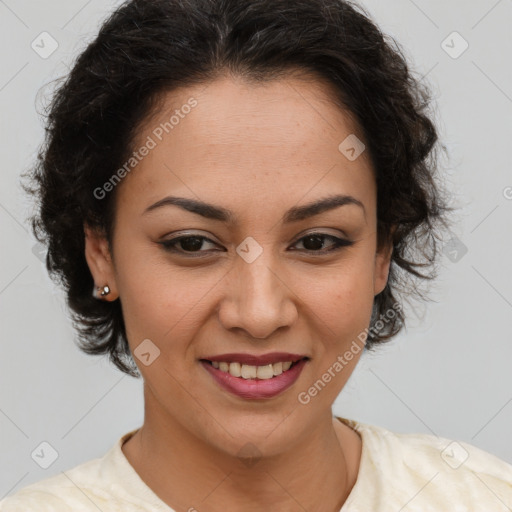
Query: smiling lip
{"x": 262, "y": 360}
{"x": 256, "y": 388}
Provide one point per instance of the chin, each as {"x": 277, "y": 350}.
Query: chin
{"x": 251, "y": 435}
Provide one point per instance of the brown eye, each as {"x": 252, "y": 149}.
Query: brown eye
{"x": 186, "y": 244}
{"x": 315, "y": 243}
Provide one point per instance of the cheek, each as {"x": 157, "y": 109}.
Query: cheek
{"x": 159, "y": 301}
{"x": 341, "y": 297}
{"x": 341, "y": 312}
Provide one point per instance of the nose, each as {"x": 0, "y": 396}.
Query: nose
{"x": 258, "y": 299}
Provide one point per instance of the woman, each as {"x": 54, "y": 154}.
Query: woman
{"x": 247, "y": 188}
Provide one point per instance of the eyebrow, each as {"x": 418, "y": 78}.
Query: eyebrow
{"x": 294, "y": 214}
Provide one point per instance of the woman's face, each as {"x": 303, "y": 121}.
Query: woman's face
{"x": 259, "y": 282}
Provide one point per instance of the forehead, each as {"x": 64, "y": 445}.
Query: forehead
{"x": 231, "y": 138}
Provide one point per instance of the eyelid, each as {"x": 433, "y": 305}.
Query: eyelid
{"x": 169, "y": 243}
{"x": 322, "y": 231}
{"x": 338, "y": 243}
{"x": 191, "y": 234}
{"x": 319, "y": 231}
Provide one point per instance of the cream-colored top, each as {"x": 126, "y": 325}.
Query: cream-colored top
{"x": 397, "y": 472}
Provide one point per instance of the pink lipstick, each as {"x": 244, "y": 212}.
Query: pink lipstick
{"x": 256, "y": 388}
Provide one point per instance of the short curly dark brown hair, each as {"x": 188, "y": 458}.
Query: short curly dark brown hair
{"x": 149, "y": 47}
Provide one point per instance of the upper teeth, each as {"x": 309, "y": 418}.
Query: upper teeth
{"x": 247, "y": 371}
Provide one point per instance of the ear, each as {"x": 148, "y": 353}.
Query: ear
{"x": 99, "y": 260}
{"x": 382, "y": 264}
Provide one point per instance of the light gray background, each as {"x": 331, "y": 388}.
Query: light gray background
{"x": 448, "y": 374}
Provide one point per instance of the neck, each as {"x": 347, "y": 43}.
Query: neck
{"x": 188, "y": 473}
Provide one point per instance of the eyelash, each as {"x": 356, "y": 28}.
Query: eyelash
{"x": 339, "y": 243}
